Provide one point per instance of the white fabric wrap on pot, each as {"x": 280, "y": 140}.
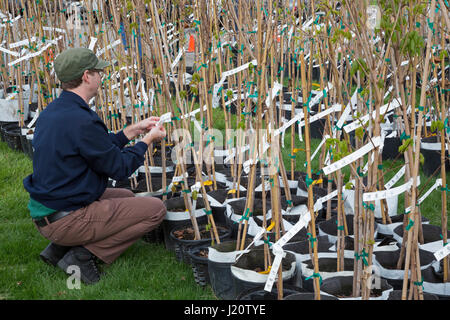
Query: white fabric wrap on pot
{"x": 308, "y": 272}
{"x": 394, "y": 274}
{"x": 9, "y": 110}
{"x": 253, "y": 228}
{"x": 388, "y": 229}
{"x": 384, "y": 296}
{"x": 432, "y": 247}
{"x": 349, "y": 253}
{"x": 334, "y": 238}
{"x": 212, "y": 202}
{"x": 255, "y": 277}
{"x": 349, "y": 196}
{"x": 442, "y": 289}
{"x": 223, "y": 257}
{"x": 177, "y": 216}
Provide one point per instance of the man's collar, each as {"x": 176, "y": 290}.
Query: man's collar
{"x": 72, "y": 95}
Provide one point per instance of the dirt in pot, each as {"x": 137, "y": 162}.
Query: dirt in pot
{"x": 189, "y": 234}
{"x": 202, "y": 253}
{"x": 347, "y": 292}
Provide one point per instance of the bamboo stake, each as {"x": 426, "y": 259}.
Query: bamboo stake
{"x": 308, "y": 170}
{"x": 413, "y": 215}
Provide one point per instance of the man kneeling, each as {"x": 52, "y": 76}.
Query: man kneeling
{"x": 74, "y": 155}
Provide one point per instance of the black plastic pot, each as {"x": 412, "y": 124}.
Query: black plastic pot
{"x": 387, "y": 230}
{"x": 302, "y": 247}
{"x": 386, "y": 262}
{"x": 317, "y": 127}
{"x": 433, "y": 282}
{"x": 308, "y": 296}
{"x": 342, "y": 287}
{"x": 154, "y": 236}
{"x": 431, "y": 233}
{"x": 432, "y": 156}
{"x": 2, "y": 125}
{"x": 27, "y": 147}
{"x": 397, "y": 295}
{"x": 390, "y": 149}
{"x": 245, "y": 277}
{"x": 220, "y": 258}
{"x": 12, "y": 133}
{"x": 199, "y": 263}
{"x": 259, "y": 293}
{"x": 175, "y": 219}
{"x": 327, "y": 268}
{"x": 329, "y": 227}
{"x": 182, "y": 245}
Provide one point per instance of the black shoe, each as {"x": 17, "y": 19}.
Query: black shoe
{"x": 85, "y": 260}
{"x": 53, "y": 253}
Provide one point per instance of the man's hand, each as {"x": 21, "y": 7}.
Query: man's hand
{"x": 141, "y": 127}
{"x": 157, "y": 133}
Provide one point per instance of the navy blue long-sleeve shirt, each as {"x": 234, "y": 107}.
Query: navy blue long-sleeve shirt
{"x": 74, "y": 155}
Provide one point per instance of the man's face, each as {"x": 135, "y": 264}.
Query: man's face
{"x": 94, "y": 80}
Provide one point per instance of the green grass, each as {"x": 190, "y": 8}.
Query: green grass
{"x": 144, "y": 271}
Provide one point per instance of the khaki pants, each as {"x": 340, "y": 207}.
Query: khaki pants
{"x": 108, "y": 226}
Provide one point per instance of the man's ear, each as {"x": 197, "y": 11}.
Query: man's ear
{"x": 85, "y": 76}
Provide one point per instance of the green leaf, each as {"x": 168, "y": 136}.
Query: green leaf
{"x": 405, "y": 145}
{"x": 359, "y": 132}
{"x": 437, "y": 125}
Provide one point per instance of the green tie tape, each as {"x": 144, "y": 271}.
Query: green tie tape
{"x": 358, "y": 170}
{"x": 208, "y": 212}
{"x": 339, "y": 227}
{"x": 362, "y": 256}
{"x": 311, "y": 239}
{"x": 308, "y": 181}
{"x": 315, "y": 275}
{"x": 369, "y": 206}
{"x": 246, "y": 215}
{"x": 410, "y": 224}
{"x": 403, "y": 136}
{"x": 419, "y": 283}
{"x": 268, "y": 241}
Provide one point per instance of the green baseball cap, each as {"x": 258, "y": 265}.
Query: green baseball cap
{"x": 71, "y": 63}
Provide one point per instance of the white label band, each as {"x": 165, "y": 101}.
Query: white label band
{"x": 353, "y": 157}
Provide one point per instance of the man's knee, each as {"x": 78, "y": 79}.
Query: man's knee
{"x": 156, "y": 210}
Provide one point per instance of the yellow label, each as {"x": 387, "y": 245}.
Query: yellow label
{"x": 266, "y": 271}
{"x": 207, "y": 183}
{"x": 317, "y": 181}
{"x": 232, "y": 191}
{"x": 271, "y": 226}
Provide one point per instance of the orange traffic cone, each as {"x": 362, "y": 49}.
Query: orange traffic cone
{"x": 191, "y": 47}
